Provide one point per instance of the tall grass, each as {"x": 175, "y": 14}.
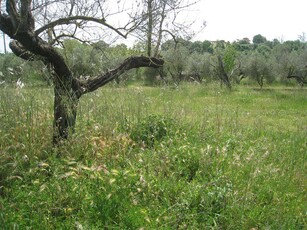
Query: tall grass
{"x": 193, "y": 157}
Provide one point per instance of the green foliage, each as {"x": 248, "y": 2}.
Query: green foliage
{"x": 219, "y": 159}
{"x": 263, "y": 50}
{"x": 229, "y": 58}
{"x": 150, "y": 75}
{"x": 199, "y": 67}
{"x": 295, "y": 45}
{"x": 81, "y": 58}
{"x": 152, "y": 130}
{"x": 280, "y": 57}
{"x": 288, "y": 61}
{"x": 258, "y": 68}
{"x": 201, "y": 47}
{"x": 258, "y": 39}
{"x": 176, "y": 63}
{"x": 91, "y": 60}
{"x": 13, "y": 68}
{"x": 185, "y": 61}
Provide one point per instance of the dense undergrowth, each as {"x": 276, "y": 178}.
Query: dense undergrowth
{"x": 194, "y": 157}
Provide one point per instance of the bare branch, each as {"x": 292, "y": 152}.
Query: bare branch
{"x": 11, "y": 9}
{"x": 72, "y": 7}
{"x": 173, "y": 36}
{"x": 56, "y": 40}
{"x": 130, "y": 63}
{"x": 160, "y": 30}
{"x": 73, "y": 19}
{"x": 63, "y": 35}
{"x": 26, "y": 18}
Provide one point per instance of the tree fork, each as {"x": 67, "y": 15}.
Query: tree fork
{"x": 67, "y": 92}
{"x": 26, "y": 43}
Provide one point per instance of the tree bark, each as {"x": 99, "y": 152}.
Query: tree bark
{"x": 27, "y": 44}
{"x": 149, "y": 27}
{"x": 65, "y": 111}
{"x": 68, "y": 92}
{"x": 68, "y": 89}
{"x": 160, "y": 30}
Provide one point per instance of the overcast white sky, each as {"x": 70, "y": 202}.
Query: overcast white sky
{"x": 235, "y": 19}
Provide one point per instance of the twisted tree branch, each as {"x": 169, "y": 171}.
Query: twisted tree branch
{"x": 129, "y": 63}
{"x": 20, "y": 51}
{"x": 72, "y": 19}
{"x": 26, "y": 18}
{"x": 12, "y": 12}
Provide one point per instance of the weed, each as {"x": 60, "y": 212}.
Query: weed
{"x": 153, "y": 129}
{"x": 189, "y": 158}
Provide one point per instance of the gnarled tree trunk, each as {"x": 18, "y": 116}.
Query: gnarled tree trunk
{"x": 26, "y": 43}
{"x": 65, "y": 112}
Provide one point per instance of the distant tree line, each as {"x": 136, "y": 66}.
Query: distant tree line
{"x": 243, "y": 61}
{"x": 258, "y": 61}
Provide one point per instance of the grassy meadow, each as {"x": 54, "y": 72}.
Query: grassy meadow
{"x": 192, "y": 157}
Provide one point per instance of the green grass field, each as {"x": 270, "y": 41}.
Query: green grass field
{"x": 193, "y": 157}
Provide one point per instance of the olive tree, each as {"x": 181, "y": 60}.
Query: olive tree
{"x": 176, "y": 63}
{"x": 225, "y": 64}
{"x": 298, "y": 68}
{"x": 291, "y": 62}
{"x": 36, "y": 27}
{"x": 258, "y": 68}
{"x": 199, "y": 67}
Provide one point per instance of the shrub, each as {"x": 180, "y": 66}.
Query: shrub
{"x": 152, "y": 129}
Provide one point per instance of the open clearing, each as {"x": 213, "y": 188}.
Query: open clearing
{"x": 192, "y": 157}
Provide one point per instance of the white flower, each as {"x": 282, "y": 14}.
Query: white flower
{"x": 25, "y": 158}
{"x": 19, "y": 84}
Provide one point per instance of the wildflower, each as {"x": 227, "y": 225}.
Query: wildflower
{"x": 25, "y": 158}
{"x": 19, "y": 84}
